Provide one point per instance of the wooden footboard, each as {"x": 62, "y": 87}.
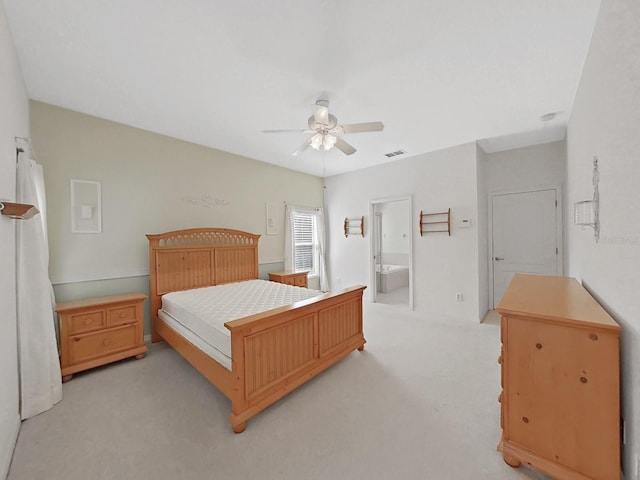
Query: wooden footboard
{"x": 275, "y": 352}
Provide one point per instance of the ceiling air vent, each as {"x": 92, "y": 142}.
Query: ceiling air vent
{"x": 395, "y": 154}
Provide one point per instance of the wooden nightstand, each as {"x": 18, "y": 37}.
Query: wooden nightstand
{"x": 299, "y": 279}
{"x": 102, "y": 330}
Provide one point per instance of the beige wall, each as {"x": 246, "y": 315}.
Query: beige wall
{"x": 149, "y": 183}
{"x": 605, "y": 121}
{"x": 14, "y": 121}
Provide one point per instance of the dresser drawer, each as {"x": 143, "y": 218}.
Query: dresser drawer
{"x": 87, "y": 321}
{"x": 121, "y": 315}
{"x": 94, "y": 345}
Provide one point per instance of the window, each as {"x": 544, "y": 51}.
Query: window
{"x": 305, "y": 242}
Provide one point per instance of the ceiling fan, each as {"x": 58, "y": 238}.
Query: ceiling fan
{"x": 325, "y": 130}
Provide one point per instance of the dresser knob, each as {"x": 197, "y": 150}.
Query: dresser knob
{"x": 106, "y": 342}
{"x": 593, "y": 336}
{"x": 583, "y": 379}
{"x": 525, "y": 419}
{"x": 123, "y": 315}
{"x": 88, "y": 321}
{"x": 539, "y": 346}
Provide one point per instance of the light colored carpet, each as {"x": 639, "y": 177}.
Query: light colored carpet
{"x": 418, "y": 403}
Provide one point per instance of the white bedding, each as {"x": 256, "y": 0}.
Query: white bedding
{"x": 204, "y": 311}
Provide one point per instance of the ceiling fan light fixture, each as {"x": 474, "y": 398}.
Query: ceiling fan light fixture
{"x": 327, "y": 133}
{"x": 324, "y": 140}
{"x": 328, "y": 142}
{"x": 316, "y": 141}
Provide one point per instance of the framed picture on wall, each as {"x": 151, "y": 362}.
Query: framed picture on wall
{"x": 86, "y": 206}
{"x": 272, "y": 216}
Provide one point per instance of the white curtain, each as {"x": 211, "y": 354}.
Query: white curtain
{"x": 40, "y": 381}
{"x": 288, "y": 238}
{"x": 322, "y": 243}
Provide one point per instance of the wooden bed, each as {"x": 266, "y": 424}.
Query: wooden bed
{"x": 273, "y": 352}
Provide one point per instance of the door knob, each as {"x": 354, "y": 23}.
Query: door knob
{"x": 497, "y": 259}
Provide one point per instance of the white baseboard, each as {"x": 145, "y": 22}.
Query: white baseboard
{"x": 8, "y": 443}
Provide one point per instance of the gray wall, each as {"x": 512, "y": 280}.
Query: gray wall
{"x": 443, "y": 265}
{"x": 482, "y": 229}
{"x": 529, "y": 167}
{"x": 605, "y": 121}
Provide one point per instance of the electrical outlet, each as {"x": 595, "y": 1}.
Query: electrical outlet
{"x": 458, "y": 297}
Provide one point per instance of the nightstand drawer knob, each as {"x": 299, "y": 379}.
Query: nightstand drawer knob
{"x": 106, "y": 342}
{"x": 88, "y": 321}
{"x": 123, "y": 315}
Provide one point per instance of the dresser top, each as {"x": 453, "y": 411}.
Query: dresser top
{"x": 555, "y": 298}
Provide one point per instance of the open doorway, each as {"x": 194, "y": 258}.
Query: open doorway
{"x": 391, "y": 247}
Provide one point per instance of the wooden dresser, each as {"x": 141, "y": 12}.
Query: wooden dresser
{"x": 298, "y": 279}
{"x": 560, "y": 377}
{"x": 101, "y": 330}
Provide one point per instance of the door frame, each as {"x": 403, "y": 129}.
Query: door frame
{"x": 559, "y": 228}
{"x": 372, "y": 261}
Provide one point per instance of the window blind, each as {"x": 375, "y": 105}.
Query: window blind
{"x": 303, "y": 240}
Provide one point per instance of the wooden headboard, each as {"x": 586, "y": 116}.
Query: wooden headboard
{"x": 198, "y": 257}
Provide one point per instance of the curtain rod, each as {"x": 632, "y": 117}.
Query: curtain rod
{"x": 20, "y": 150}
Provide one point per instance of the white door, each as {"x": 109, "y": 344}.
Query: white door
{"x": 525, "y": 236}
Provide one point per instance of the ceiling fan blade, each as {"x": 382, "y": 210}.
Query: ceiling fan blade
{"x": 302, "y": 147}
{"x": 297, "y": 130}
{"x": 321, "y": 114}
{"x": 344, "y": 147}
{"x": 361, "y": 127}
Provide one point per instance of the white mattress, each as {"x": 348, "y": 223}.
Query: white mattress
{"x": 204, "y": 311}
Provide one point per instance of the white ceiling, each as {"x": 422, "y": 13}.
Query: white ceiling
{"x": 437, "y": 73}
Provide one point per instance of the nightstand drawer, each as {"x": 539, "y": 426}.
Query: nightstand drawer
{"x": 94, "y": 345}
{"x": 119, "y": 316}
{"x": 300, "y": 280}
{"x": 85, "y": 322}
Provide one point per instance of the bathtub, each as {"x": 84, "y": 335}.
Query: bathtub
{"x": 391, "y": 277}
